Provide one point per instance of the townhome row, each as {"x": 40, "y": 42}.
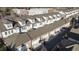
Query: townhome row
{"x": 27, "y": 26}
{"x": 34, "y": 38}
{"x": 25, "y": 23}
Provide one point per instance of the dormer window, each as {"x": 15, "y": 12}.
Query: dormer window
{"x": 24, "y": 29}
{"x": 5, "y": 33}
{"x": 22, "y": 23}
{"x": 53, "y": 17}
{"x": 45, "y": 17}
{"x": 32, "y": 20}
{"x": 38, "y": 19}
{"x": 28, "y": 22}
{"x": 58, "y": 15}
{"x": 42, "y": 19}
{"x": 8, "y": 26}
{"x": 50, "y": 17}
{"x": 8, "y": 33}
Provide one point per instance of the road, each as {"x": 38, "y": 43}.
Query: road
{"x": 71, "y": 44}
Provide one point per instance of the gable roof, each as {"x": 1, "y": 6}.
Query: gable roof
{"x": 16, "y": 39}
{"x": 47, "y": 28}
{"x": 19, "y": 39}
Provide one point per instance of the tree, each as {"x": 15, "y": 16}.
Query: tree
{"x": 73, "y": 22}
{"x": 2, "y": 45}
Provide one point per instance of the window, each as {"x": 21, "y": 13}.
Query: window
{"x": 27, "y": 21}
{"x": 9, "y": 32}
{"x": 9, "y": 25}
{"x": 5, "y": 33}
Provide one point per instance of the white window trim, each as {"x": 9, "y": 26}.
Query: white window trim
{"x": 8, "y": 26}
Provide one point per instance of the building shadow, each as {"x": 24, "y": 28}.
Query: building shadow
{"x": 59, "y": 40}
{"x": 74, "y": 36}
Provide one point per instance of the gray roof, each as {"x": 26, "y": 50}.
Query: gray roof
{"x": 16, "y": 39}
{"x": 67, "y": 9}
{"x": 15, "y": 18}
{"x": 5, "y": 21}
{"x": 2, "y": 27}
{"x": 12, "y": 18}
{"x": 75, "y": 47}
{"x": 19, "y": 39}
{"x": 39, "y": 15}
{"x": 47, "y": 28}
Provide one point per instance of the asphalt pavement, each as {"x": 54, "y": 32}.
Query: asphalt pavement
{"x": 71, "y": 44}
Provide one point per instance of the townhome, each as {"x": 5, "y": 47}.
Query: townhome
{"x": 20, "y": 24}
{"x": 8, "y": 24}
{"x": 71, "y": 13}
{"x": 18, "y": 32}
{"x": 7, "y": 28}
{"x": 41, "y": 20}
{"x": 27, "y": 23}
{"x": 31, "y": 39}
{"x": 36, "y": 24}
